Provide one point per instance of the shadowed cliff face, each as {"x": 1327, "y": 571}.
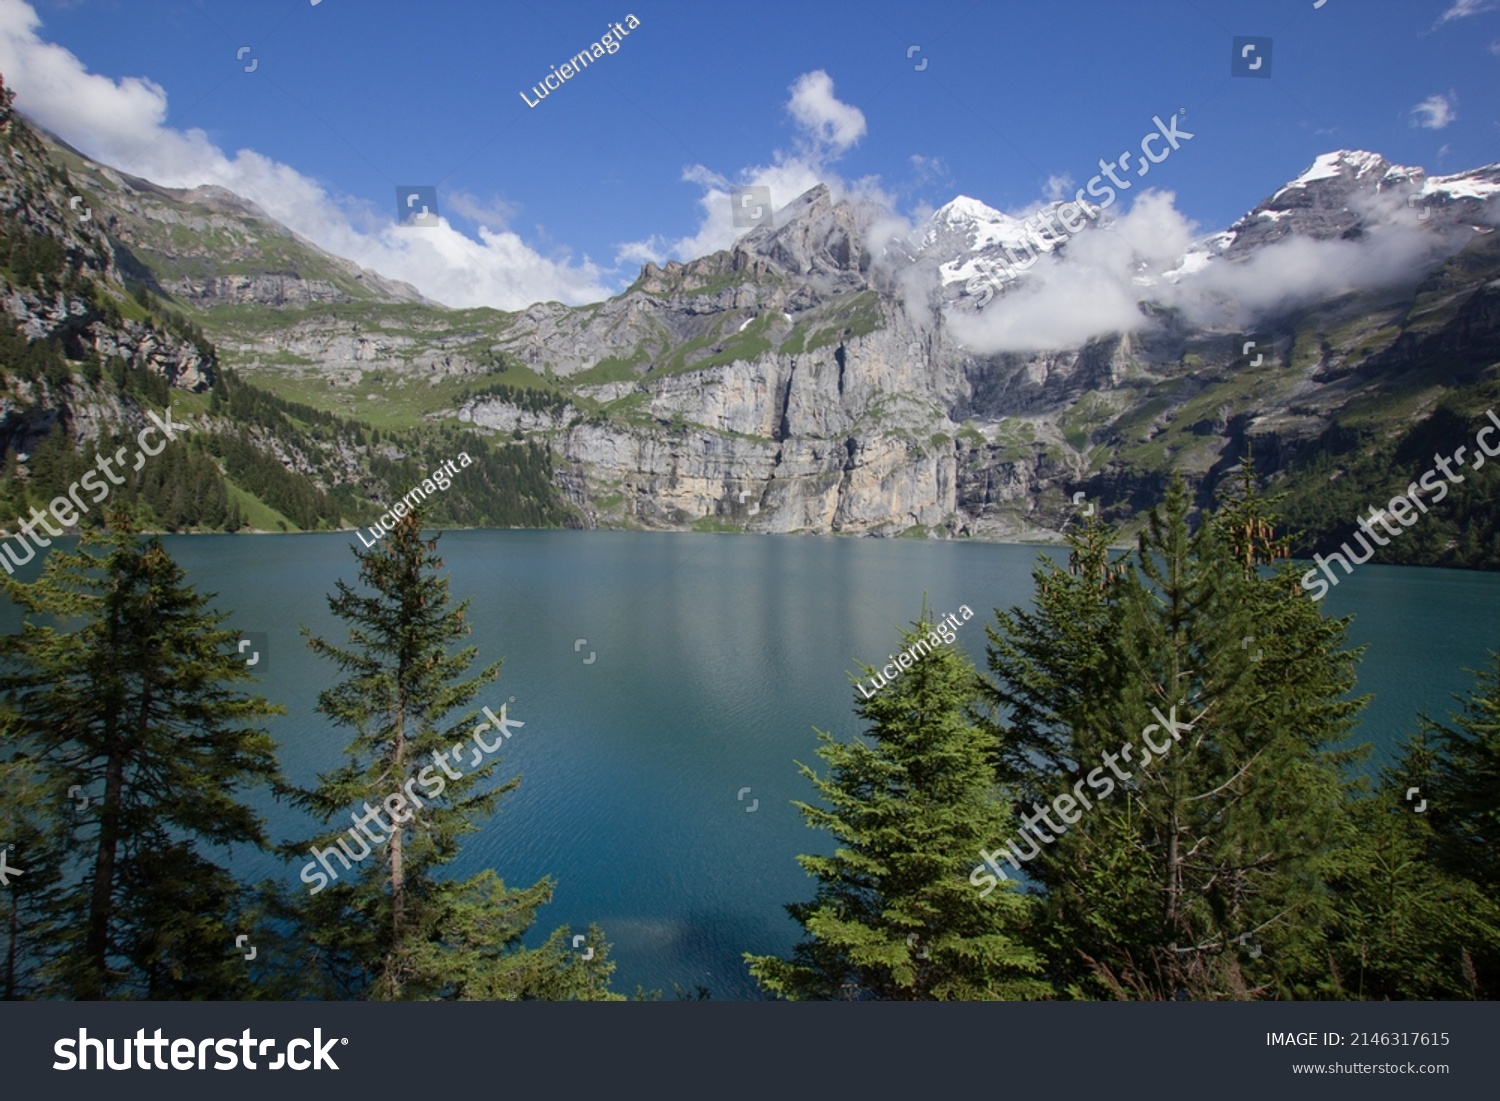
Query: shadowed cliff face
{"x": 62, "y": 287}
{"x": 71, "y": 276}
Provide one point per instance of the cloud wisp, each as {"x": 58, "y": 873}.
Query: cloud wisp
{"x": 1462, "y": 9}
{"x": 123, "y": 123}
{"x": 1097, "y": 284}
{"x": 1436, "y": 112}
{"x": 826, "y": 129}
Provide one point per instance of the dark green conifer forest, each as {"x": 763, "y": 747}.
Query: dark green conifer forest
{"x": 1246, "y": 860}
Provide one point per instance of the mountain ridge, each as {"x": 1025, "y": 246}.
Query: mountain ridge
{"x": 807, "y": 380}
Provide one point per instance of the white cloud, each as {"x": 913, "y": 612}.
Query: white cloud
{"x": 122, "y": 123}
{"x": 1062, "y": 302}
{"x": 1436, "y": 111}
{"x": 1097, "y": 285}
{"x": 929, "y": 170}
{"x": 1299, "y": 270}
{"x": 820, "y": 112}
{"x": 492, "y": 212}
{"x": 1060, "y": 187}
{"x": 827, "y": 128}
{"x": 642, "y": 253}
{"x": 1462, "y": 9}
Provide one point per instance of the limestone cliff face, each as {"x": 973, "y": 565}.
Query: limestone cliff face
{"x": 854, "y": 437}
{"x": 807, "y": 378}
{"x": 177, "y": 360}
{"x": 843, "y": 415}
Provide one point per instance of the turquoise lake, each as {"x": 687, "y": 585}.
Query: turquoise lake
{"x": 706, "y": 663}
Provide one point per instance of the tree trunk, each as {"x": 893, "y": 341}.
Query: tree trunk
{"x": 102, "y": 901}
{"x": 398, "y": 877}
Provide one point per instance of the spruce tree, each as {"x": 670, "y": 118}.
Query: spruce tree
{"x": 131, "y": 704}
{"x": 1405, "y": 927}
{"x": 1454, "y": 768}
{"x": 1055, "y": 657}
{"x": 896, "y": 915}
{"x": 1198, "y": 868}
{"x": 380, "y": 921}
{"x": 34, "y": 845}
{"x": 1457, "y": 766}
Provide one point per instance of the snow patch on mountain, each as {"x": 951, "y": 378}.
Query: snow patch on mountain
{"x": 1349, "y": 222}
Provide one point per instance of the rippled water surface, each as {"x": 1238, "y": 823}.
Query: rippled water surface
{"x": 713, "y": 660}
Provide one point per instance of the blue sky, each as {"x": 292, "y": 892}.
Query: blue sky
{"x": 350, "y": 98}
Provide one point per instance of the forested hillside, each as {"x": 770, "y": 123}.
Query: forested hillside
{"x": 87, "y": 351}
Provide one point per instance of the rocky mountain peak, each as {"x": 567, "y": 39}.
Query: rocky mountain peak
{"x": 965, "y": 209}
{"x": 1333, "y": 177}
{"x": 815, "y": 236}
{"x": 1333, "y": 196}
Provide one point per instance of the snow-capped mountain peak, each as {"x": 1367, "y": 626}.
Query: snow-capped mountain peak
{"x": 963, "y": 208}
{"x": 1355, "y": 162}
{"x": 977, "y": 251}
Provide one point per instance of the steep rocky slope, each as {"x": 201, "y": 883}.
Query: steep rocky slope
{"x": 98, "y": 337}
{"x": 807, "y": 380}
{"x": 62, "y": 290}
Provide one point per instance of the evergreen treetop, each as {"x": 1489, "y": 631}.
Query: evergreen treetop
{"x": 895, "y": 915}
